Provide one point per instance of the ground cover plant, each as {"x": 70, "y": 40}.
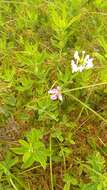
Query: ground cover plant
{"x": 53, "y": 95}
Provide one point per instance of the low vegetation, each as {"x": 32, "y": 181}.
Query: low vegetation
{"x": 53, "y": 95}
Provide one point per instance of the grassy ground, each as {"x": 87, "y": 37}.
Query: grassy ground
{"x": 53, "y": 119}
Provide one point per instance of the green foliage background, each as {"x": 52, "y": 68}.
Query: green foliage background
{"x": 49, "y": 142}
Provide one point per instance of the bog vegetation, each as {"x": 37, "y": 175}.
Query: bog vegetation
{"x": 53, "y": 95}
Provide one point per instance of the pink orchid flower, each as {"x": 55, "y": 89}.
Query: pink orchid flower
{"x": 55, "y": 93}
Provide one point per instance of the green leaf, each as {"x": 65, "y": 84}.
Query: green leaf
{"x": 8, "y": 74}
{"x": 24, "y": 143}
{"x": 27, "y": 156}
{"x": 70, "y": 179}
{"x": 28, "y": 162}
{"x": 34, "y": 135}
{"x": 41, "y": 157}
{"x": 97, "y": 162}
{"x": 67, "y": 186}
{"x": 100, "y": 186}
{"x": 19, "y": 150}
{"x": 11, "y": 100}
{"x": 33, "y": 150}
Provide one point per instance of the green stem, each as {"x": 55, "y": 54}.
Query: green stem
{"x": 64, "y": 160}
{"x": 51, "y": 173}
{"x": 85, "y": 105}
{"x": 84, "y": 87}
{"x": 11, "y": 181}
{"x": 86, "y": 101}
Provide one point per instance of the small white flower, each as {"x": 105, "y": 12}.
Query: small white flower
{"x": 74, "y": 66}
{"x": 81, "y": 68}
{"x": 76, "y": 55}
{"x": 83, "y": 52}
{"x": 85, "y": 62}
{"x": 89, "y": 63}
{"x": 86, "y": 58}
